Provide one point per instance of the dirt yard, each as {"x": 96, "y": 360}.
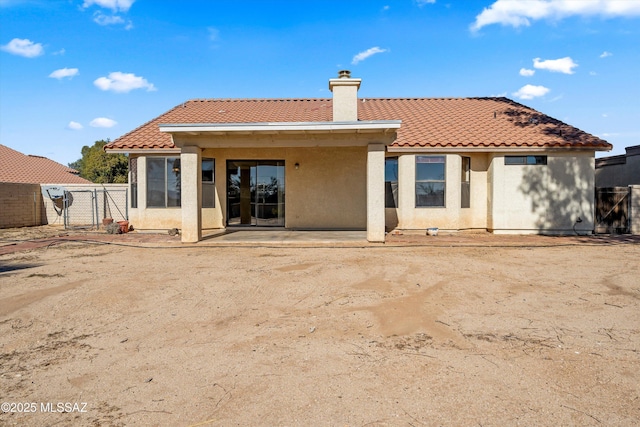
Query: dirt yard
{"x": 448, "y": 330}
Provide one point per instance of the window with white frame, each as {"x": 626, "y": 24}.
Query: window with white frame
{"x": 391, "y": 182}
{"x": 465, "y": 183}
{"x": 208, "y": 183}
{"x": 430, "y": 181}
{"x": 163, "y": 182}
{"x": 133, "y": 168}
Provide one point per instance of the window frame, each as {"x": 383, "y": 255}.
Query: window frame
{"x": 442, "y": 181}
{"x": 393, "y": 196}
{"x": 465, "y": 182}
{"x": 206, "y": 183}
{"x": 165, "y": 160}
{"x": 525, "y": 160}
{"x": 133, "y": 181}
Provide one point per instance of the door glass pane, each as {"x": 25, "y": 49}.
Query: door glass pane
{"x": 233, "y": 193}
{"x": 270, "y": 194}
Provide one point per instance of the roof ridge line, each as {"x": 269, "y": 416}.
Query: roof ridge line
{"x": 253, "y": 99}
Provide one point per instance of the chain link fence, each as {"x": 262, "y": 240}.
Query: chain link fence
{"x": 88, "y": 208}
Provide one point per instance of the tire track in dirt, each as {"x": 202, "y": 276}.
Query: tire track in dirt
{"x": 14, "y": 303}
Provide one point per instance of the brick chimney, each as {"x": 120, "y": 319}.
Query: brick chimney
{"x": 345, "y": 97}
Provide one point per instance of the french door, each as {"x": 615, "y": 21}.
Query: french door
{"x": 255, "y": 193}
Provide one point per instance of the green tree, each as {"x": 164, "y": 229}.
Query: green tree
{"x": 99, "y": 167}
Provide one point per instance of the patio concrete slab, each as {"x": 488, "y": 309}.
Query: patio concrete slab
{"x": 287, "y": 237}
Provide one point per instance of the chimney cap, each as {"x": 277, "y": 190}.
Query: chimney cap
{"x": 344, "y": 74}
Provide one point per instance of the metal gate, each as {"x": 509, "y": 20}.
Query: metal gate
{"x": 87, "y": 208}
{"x": 612, "y": 210}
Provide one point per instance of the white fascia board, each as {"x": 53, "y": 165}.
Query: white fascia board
{"x": 146, "y": 150}
{"x": 514, "y": 150}
{"x": 288, "y": 127}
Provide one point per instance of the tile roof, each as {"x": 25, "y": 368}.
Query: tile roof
{"x": 18, "y": 167}
{"x": 464, "y": 123}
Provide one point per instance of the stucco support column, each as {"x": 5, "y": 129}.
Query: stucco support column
{"x": 142, "y": 182}
{"x": 191, "y": 193}
{"x": 375, "y": 193}
{"x": 406, "y": 190}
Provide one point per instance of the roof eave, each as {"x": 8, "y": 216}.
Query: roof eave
{"x": 271, "y": 128}
{"x": 491, "y": 149}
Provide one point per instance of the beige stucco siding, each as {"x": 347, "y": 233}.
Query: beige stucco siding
{"x": 475, "y": 216}
{"x": 143, "y": 218}
{"x": 542, "y": 198}
{"x": 327, "y": 191}
{"x": 450, "y": 217}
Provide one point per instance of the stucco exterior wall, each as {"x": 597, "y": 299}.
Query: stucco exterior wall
{"x": 327, "y": 191}
{"x": 143, "y": 218}
{"x": 451, "y": 217}
{"x": 543, "y": 198}
{"x": 475, "y": 216}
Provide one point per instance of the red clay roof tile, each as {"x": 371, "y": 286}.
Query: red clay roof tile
{"x": 464, "y": 123}
{"x": 18, "y": 167}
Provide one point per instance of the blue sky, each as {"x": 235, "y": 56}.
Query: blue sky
{"x": 76, "y": 71}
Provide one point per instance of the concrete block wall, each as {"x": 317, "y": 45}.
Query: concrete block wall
{"x": 21, "y": 205}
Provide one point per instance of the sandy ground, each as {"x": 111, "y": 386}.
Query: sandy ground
{"x": 456, "y": 331}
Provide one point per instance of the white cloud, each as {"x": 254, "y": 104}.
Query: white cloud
{"x": 531, "y": 91}
{"x": 74, "y": 125}
{"x": 102, "y": 19}
{"x": 60, "y": 52}
{"x": 521, "y": 13}
{"x": 102, "y": 122}
{"x": 385, "y": 7}
{"x": 421, "y": 3}
{"x": 563, "y": 65}
{"x": 64, "y": 72}
{"x": 115, "y": 5}
{"x": 593, "y": 73}
{"x": 526, "y": 72}
{"x": 23, "y": 47}
{"x": 606, "y": 54}
{"x": 123, "y": 82}
{"x": 367, "y": 53}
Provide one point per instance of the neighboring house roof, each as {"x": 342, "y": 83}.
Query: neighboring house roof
{"x": 22, "y": 168}
{"x": 452, "y": 123}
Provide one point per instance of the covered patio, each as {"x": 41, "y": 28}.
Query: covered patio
{"x": 336, "y": 152}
